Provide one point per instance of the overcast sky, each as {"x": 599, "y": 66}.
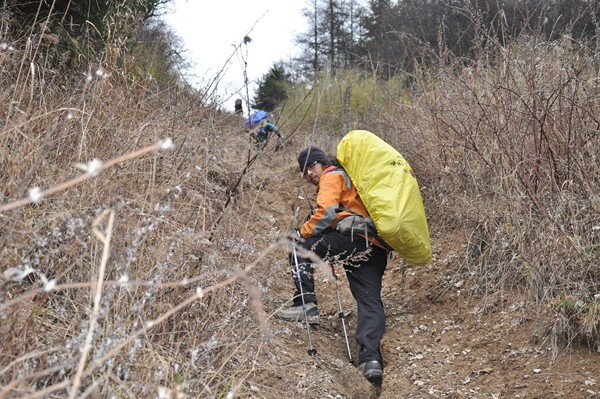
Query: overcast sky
{"x": 210, "y": 30}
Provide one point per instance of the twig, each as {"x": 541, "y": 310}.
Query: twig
{"x": 92, "y": 172}
{"x": 105, "y": 239}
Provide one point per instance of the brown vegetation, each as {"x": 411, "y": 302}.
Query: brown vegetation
{"x": 155, "y": 275}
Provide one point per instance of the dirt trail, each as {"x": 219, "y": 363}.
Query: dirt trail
{"x": 441, "y": 341}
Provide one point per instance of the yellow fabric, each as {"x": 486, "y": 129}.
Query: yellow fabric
{"x": 386, "y": 184}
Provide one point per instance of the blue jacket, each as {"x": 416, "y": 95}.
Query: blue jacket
{"x": 265, "y": 129}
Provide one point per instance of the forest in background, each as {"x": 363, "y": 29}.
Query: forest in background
{"x": 385, "y": 38}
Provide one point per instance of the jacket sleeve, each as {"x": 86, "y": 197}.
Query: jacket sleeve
{"x": 273, "y": 128}
{"x": 328, "y": 200}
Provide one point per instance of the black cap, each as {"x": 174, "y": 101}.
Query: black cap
{"x": 310, "y": 155}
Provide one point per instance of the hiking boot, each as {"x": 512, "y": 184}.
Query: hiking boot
{"x": 372, "y": 371}
{"x": 296, "y": 313}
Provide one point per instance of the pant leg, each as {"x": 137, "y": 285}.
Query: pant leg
{"x": 330, "y": 244}
{"x": 305, "y": 269}
{"x": 365, "y": 285}
{"x": 364, "y": 278}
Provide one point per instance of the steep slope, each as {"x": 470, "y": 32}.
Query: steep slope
{"x": 442, "y": 341}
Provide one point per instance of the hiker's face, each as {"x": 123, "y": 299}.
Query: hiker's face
{"x": 313, "y": 173}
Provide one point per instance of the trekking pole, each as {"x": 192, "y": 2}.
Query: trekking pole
{"x": 312, "y": 208}
{"x": 341, "y": 314}
{"x": 311, "y": 350}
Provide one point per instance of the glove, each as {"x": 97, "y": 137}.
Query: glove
{"x": 295, "y": 235}
{"x": 312, "y": 212}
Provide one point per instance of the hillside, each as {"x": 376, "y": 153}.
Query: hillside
{"x": 130, "y": 268}
{"x": 442, "y": 341}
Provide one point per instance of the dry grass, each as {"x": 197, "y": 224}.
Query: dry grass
{"x": 508, "y": 152}
{"x": 141, "y": 276}
{"x": 108, "y": 270}
{"x": 505, "y": 149}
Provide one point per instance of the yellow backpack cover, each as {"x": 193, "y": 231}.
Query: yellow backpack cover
{"x": 386, "y": 184}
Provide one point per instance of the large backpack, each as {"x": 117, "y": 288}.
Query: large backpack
{"x": 390, "y": 192}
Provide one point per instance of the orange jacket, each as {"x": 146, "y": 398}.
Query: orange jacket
{"x": 335, "y": 190}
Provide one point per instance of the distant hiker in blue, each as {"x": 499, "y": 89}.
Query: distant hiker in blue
{"x": 262, "y": 135}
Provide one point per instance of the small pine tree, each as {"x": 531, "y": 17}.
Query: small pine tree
{"x": 271, "y": 89}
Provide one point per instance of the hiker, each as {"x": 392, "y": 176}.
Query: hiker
{"x": 363, "y": 256}
{"x": 261, "y": 136}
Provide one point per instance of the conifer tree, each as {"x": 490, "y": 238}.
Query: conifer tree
{"x": 271, "y": 89}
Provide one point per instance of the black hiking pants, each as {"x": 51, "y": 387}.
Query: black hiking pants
{"x": 364, "y": 269}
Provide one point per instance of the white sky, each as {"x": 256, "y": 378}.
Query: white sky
{"x": 210, "y": 30}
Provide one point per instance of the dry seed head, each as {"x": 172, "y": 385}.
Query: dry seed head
{"x": 93, "y": 167}
{"x": 163, "y": 393}
{"x": 15, "y": 274}
{"x": 166, "y": 144}
{"x": 50, "y": 285}
{"x": 35, "y": 194}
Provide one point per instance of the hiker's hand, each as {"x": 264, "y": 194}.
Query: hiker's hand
{"x": 312, "y": 212}
{"x": 295, "y": 235}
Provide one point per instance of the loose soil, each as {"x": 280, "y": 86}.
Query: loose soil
{"x": 442, "y": 340}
